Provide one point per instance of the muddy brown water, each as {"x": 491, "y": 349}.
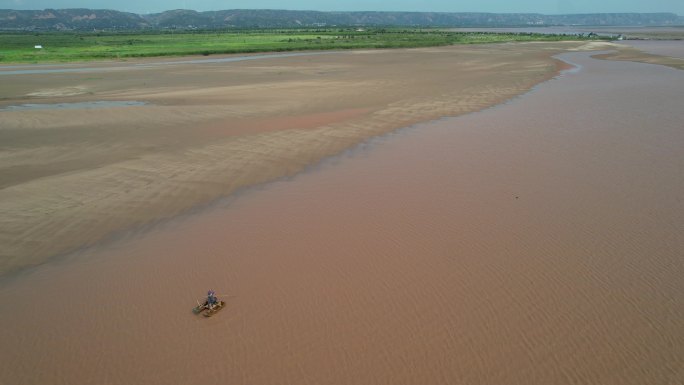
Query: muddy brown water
{"x": 537, "y": 242}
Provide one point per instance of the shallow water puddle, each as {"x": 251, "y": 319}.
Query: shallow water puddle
{"x": 74, "y": 106}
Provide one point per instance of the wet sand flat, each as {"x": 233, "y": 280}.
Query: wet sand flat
{"x": 71, "y": 177}
{"x": 668, "y": 53}
{"x": 672, "y": 48}
{"x": 538, "y": 242}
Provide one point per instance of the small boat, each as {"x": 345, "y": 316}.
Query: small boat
{"x": 207, "y": 311}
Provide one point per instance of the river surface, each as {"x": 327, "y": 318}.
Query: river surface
{"x": 536, "y": 242}
{"x": 559, "y": 30}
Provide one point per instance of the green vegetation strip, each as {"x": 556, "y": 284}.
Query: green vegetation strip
{"x": 70, "y": 47}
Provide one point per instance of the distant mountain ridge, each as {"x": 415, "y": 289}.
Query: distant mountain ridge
{"x": 82, "y": 19}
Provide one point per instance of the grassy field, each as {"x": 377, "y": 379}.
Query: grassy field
{"x": 69, "y": 47}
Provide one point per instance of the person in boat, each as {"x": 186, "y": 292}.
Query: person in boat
{"x": 212, "y": 300}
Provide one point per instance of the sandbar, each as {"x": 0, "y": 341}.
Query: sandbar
{"x": 70, "y": 178}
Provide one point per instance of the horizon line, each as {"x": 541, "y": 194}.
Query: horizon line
{"x": 358, "y": 11}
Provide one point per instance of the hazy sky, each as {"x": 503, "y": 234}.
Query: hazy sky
{"x": 537, "y": 6}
